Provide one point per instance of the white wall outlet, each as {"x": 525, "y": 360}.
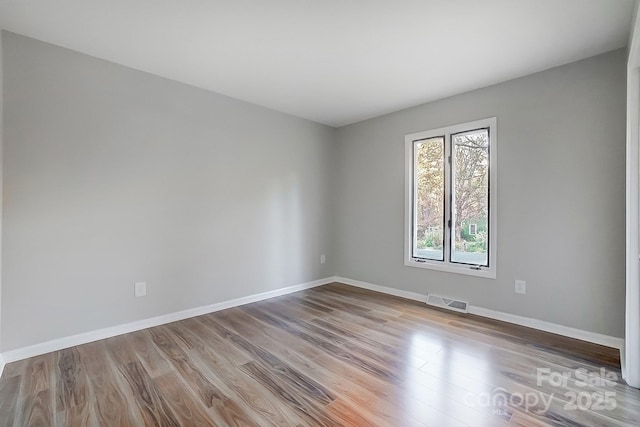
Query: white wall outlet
{"x": 323, "y": 259}
{"x": 521, "y": 287}
{"x": 140, "y": 289}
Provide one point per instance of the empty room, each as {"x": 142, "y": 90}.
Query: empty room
{"x": 320, "y": 213}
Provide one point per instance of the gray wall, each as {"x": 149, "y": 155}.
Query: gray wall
{"x": 561, "y": 196}
{"x": 113, "y": 176}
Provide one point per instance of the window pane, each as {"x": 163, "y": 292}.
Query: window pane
{"x": 470, "y": 216}
{"x": 429, "y": 199}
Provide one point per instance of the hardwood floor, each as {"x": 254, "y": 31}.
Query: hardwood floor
{"x": 333, "y": 355}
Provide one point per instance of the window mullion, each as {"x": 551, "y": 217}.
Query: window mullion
{"x": 447, "y": 198}
{"x": 414, "y": 196}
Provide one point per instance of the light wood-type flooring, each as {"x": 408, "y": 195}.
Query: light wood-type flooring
{"x": 333, "y": 355}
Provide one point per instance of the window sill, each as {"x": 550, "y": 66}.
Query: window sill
{"x": 485, "y": 272}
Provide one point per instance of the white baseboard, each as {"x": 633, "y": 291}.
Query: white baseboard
{"x": 1, "y": 365}
{"x": 87, "y": 337}
{"x": 554, "y": 328}
{"x": 383, "y": 289}
{"x": 541, "y": 325}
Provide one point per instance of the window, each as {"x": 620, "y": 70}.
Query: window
{"x": 450, "y": 222}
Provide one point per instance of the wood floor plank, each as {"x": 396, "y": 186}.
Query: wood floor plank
{"x": 9, "y": 394}
{"x": 37, "y": 410}
{"x": 370, "y": 391}
{"x": 393, "y": 340}
{"x": 280, "y": 320}
{"x": 373, "y": 397}
{"x": 328, "y": 340}
{"x": 385, "y": 309}
{"x": 111, "y": 401}
{"x": 348, "y": 414}
{"x": 264, "y": 335}
{"x": 362, "y": 361}
{"x": 215, "y": 356}
{"x": 72, "y": 389}
{"x": 210, "y": 394}
{"x": 345, "y": 307}
{"x": 153, "y": 407}
{"x": 78, "y": 416}
{"x": 154, "y": 363}
{"x": 37, "y": 375}
{"x": 332, "y": 355}
{"x": 37, "y": 406}
{"x": 205, "y": 338}
{"x": 120, "y": 349}
{"x": 309, "y": 410}
{"x": 187, "y": 410}
{"x": 251, "y": 394}
{"x": 229, "y": 409}
{"x": 298, "y": 380}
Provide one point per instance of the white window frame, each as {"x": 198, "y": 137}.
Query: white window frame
{"x": 447, "y": 266}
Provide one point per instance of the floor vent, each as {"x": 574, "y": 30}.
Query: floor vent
{"x": 448, "y": 303}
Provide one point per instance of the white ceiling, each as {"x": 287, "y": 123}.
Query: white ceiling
{"x": 331, "y": 61}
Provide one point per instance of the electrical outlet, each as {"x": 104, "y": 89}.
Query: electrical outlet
{"x": 521, "y": 287}
{"x": 323, "y": 259}
{"x": 140, "y": 289}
